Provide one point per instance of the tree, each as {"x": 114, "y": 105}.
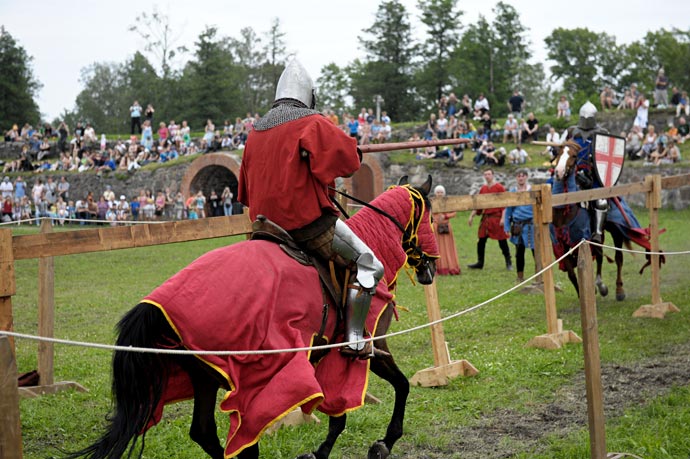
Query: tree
{"x": 388, "y": 69}
{"x": 585, "y": 61}
{"x": 101, "y": 101}
{"x": 333, "y": 89}
{"x": 18, "y": 87}
{"x": 156, "y": 31}
{"x": 249, "y": 57}
{"x": 276, "y": 55}
{"x": 442, "y": 20}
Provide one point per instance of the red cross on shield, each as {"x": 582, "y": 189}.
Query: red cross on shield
{"x": 609, "y": 155}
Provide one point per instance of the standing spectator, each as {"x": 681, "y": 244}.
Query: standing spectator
{"x": 148, "y": 113}
{"x": 185, "y": 134}
{"x": 519, "y": 224}
{"x": 531, "y": 128}
{"x": 178, "y": 206}
{"x": 510, "y": 129}
{"x": 19, "y": 188}
{"x": 63, "y": 134}
{"x": 516, "y": 104}
{"x": 661, "y": 89}
{"x": 563, "y": 108}
{"x": 683, "y": 104}
{"x": 447, "y": 263}
{"x": 452, "y": 104}
{"x": 606, "y": 98}
{"x": 353, "y": 127}
{"x": 226, "y": 198}
{"x": 160, "y": 205}
{"x": 491, "y": 225}
{"x": 642, "y": 112}
{"x": 6, "y": 188}
{"x": 147, "y": 136}
{"x": 163, "y": 133}
{"x": 209, "y": 131}
{"x": 200, "y": 204}
{"x": 215, "y": 205}
{"x": 135, "y": 115}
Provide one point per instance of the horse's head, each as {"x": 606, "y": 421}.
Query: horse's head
{"x": 419, "y": 242}
{"x": 566, "y": 158}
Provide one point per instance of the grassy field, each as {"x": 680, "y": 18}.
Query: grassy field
{"x": 525, "y": 403}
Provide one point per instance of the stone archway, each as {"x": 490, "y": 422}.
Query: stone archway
{"x": 209, "y": 172}
{"x": 367, "y": 182}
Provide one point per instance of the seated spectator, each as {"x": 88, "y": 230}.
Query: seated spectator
{"x": 7, "y": 210}
{"x": 530, "y": 130}
{"x": 683, "y": 104}
{"x": 479, "y": 139}
{"x": 650, "y": 143}
{"x": 518, "y": 155}
{"x": 465, "y": 106}
{"x": 12, "y": 135}
{"x": 673, "y": 153}
{"x": 481, "y": 106}
{"x": 552, "y": 137}
{"x": 633, "y": 143}
{"x": 89, "y": 137}
{"x": 563, "y": 108}
{"x": 510, "y": 129}
{"x": 683, "y": 130}
{"x": 486, "y": 154}
{"x": 385, "y": 132}
{"x": 163, "y": 133}
{"x": 606, "y": 98}
{"x": 628, "y": 101}
{"x": 675, "y": 96}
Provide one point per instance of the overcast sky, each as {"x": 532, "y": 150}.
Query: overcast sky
{"x": 65, "y": 36}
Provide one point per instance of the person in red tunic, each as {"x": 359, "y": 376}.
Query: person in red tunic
{"x": 491, "y": 225}
{"x": 290, "y": 159}
{"x": 447, "y": 263}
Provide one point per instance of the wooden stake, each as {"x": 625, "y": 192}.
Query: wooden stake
{"x": 10, "y": 423}
{"x": 588, "y": 315}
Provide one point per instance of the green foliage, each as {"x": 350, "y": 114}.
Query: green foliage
{"x": 18, "y": 87}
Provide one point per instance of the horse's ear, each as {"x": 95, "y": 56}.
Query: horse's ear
{"x": 426, "y": 187}
{"x": 403, "y": 181}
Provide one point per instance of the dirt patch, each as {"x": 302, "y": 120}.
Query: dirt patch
{"x": 504, "y": 433}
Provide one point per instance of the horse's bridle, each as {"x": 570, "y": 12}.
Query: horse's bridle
{"x": 416, "y": 257}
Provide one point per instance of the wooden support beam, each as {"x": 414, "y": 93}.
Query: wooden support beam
{"x": 555, "y": 336}
{"x": 444, "y": 369}
{"x": 590, "y": 337}
{"x": 46, "y": 312}
{"x": 658, "y": 308}
{"x": 10, "y": 423}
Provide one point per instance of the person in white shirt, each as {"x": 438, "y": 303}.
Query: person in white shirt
{"x": 518, "y": 155}
{"x": 510, "y": 129}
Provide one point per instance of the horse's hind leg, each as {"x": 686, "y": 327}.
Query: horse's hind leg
{"x": 385, "y": 368}
{"x": 336, "y": 425}
{"x": 203, "y": 430}
{"x": 620, "y": 291}
{"x": 598, "y": 281}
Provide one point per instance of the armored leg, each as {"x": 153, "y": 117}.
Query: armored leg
{"x": 601, "y": 208}
{"x": 360, "y": 292}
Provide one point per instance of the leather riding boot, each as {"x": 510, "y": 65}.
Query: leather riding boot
{"x": 356, "y": 310}
{"x": 481, "y": 250}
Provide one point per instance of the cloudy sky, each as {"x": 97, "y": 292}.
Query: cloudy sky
{"x": 63, "y": 37}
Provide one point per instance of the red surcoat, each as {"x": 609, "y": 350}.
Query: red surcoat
{"x": 292, "y": 191}
{"x": 491, "y": 225}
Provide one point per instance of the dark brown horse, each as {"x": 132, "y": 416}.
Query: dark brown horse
{"x": 572, "y": 223}
{"x": 241, "y": 297}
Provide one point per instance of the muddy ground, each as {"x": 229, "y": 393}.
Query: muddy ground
{"x": 501, "y": 433}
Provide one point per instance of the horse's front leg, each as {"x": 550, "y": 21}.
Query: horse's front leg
{"x": 620, "y": 291}
{"x": 336, "y": 425}
{"x": 598, "y": 281}
{"x": 385, "y": 368}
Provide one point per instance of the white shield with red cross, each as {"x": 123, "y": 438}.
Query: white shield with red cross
{"x": 608, "y": 155}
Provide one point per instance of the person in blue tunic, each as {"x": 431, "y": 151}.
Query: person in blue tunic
{"x": 519, "y": 224}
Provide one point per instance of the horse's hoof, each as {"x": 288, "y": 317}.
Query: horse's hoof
{"x": 620, "y": 296}
{"x": 378, "y": 450}
{"x": 306, "y": 456}
{"x": 603, "y": 289}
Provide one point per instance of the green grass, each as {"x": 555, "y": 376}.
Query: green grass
{"x": 94, "y": 290}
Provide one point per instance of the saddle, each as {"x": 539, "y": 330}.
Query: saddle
{"x": 329, "y": 272}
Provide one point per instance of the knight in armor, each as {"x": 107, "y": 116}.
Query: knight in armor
{"x": 291, "y": 157}
{"x": 583, "y": 133}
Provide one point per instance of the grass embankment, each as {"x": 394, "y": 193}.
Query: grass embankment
{"x": 515, "y": 382}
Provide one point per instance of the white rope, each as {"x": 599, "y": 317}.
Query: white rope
{"x": 643, "y": 252}
{"x": 280, "y": 351}
{"x": 79, "y": 220}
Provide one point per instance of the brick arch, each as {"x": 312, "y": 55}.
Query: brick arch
{"x": 211, "y": 168}
{"x": 367, "y": 182}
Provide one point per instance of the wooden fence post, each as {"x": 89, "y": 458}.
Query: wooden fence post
{"x": 444, "y": 369}
{"x": 8, "y": 285}
{"x": 555, "y": 336}
{"x": 657, "y": 309}
{"x": 10, "y": 423}
{"x": 46, "y": 312}
{"x": 588, "y": 316}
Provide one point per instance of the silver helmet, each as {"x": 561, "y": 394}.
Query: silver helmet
{"x": 588, "y": 113}
{"x": 295, "y": 83}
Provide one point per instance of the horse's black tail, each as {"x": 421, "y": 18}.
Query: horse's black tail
{"x": 138, "y": 383}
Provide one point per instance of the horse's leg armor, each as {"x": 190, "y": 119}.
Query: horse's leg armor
{"x": 369, "y": 272}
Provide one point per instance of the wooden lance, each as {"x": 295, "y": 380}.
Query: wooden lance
{"x": 378, "y": 147}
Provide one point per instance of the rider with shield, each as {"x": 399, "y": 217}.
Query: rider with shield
{"x": 593, "y": 171}
{"x": 291, "y": 157}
